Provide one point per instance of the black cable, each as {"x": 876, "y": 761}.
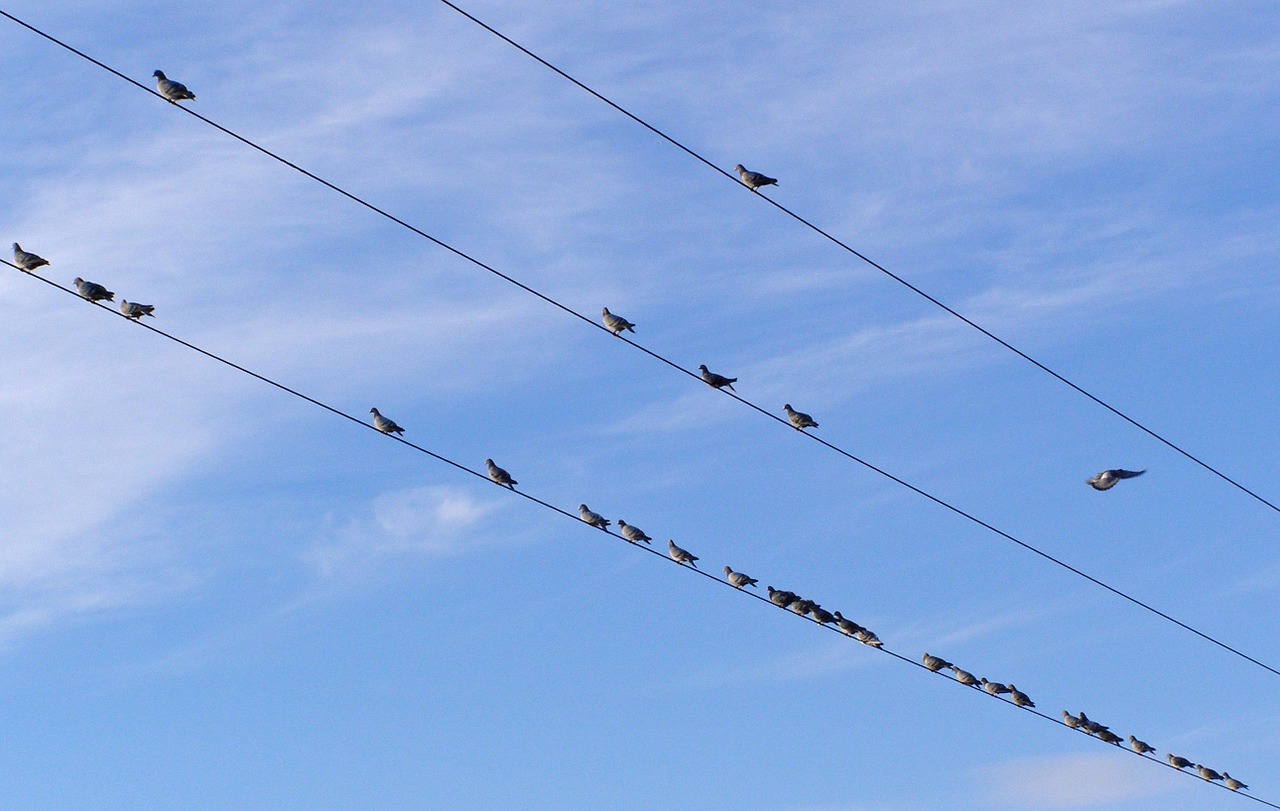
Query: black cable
{"x": 547, "y": 505}
{"x": 1042, "y": 367}
{"x": 656, "y": 356}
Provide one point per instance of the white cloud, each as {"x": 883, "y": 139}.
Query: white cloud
{"x": 1073, "y": 781}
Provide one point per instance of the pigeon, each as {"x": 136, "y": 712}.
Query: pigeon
{"x": 26, "y": 261}
{"x": 1141, "y": 747}
{"x": 847, "y": 627}
{"x": 136, "y": 311}
{"x": 754, "y": 180}
{"x": 680, "y": 555}
{"x": 383, "y": 424}
{"x": 499, "y": 476}
{"x": 822, "y": 616}
{"x": 965, "y": 677}
{"x": 799, "y": 420}
{"x": 615, "y": 323}
{"x": 1206, "y": 773}
{"x": 632, "y": 533}
{"x": 1232, "y": 783}
{"x": 994, "y": 688}
{"x": 93, "y": 292}
{"x": 935, "y": 663}
{"x": 802, "y": 607}
{"x": 594, "y": 519}
{"x": 781, "y": 599}
{"x": 716, "y": 381}
{"x": 1092, "y": 727}
{"x": 1108, "y": 478}
{"x": 1070, "y": 720}
{"x": 1177, "y": 762}
{"x": 738, "y": 579}
{"x": 1020, "y": 698}
{"x": 1107, "y": 736}
{"x": 171, "y": 90}
{"x": 866, "y": 637}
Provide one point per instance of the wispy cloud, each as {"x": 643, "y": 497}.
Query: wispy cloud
{"x": 1072, "y": 781}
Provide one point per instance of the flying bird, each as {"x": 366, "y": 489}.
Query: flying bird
{"x": 91, "y": 291}
{"x": 383, "y": 424}
{"x": 632, "y": 533}
{"x": 738, "y": 579}
{"x": 130, "y": 309}
{"x": 594, "y": 519}
{"x": 679, "y": 555}
{"x": 26, "y": 261}
{"x": 615, "y": 323}
{"x": 1108, "y": 478}
{"x": 798, "y": 419}
{"x": 171, "y": 90}
{"x": 1141, "y": 747}
{"x": 716, "y": 381}
{"x": 499, "y": 476}
{"x": 754, "y": 180}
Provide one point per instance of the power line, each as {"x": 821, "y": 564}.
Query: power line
{"x": 900, "y": 280}
{"x": 549, "y": 506}
{"x": 660, "y": 358}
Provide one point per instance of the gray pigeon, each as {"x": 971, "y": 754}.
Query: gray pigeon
{"x": 781, "y": 599}
{"x": 171, "y": 90}
{"x": 1141, "y": 747}
{"x": 1206, "y": 773}
{"x": 994, "y": 688}
{"x": 632, "y": 533}
{"x": 754, "y": 180}
{"x": 93, "y": 292}
{"x": 1092, "y": 727}
{"x": 1108, "y": 478}
{"x": 799, "y": 420}
{"x": 1177, "y": 762}
{"x": 802, "y": 607}
{"x": 1070, "y": 720}
{"x": 594, "y": 519}
{"x": 135, "y": 311}
{"x": 383, "y": 424}
{"x": 965, "y": 677}
{"x": 1232, "y": 783}
{"x": 680, "y": 555}
{"x": 847, "y": 627}
{"x": 26, "y": 261}
{"x": 499, "y": 476}
{"x": 615, "y": 323}
{"x": 738, "y": 579}
{"x": 1020, "y": 698}
{"x": 716, "y": 381}
{"x": 822, "y": 616}
{"x": 935, "y": 663}
{"x": 1107, "y": 736}
{"x": 866, "y": 637}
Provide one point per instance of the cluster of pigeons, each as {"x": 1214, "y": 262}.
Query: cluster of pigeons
{"x": 995, "y": 688}
{"x": 90, "y": 291}
{"x": 1084, "y": 724}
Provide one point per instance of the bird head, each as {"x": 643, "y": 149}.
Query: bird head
{"x": 159, "y": 74}
{"x": 15, "y": 247}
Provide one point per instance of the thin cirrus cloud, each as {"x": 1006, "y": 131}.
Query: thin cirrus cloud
{"x": 1072, "y": 781}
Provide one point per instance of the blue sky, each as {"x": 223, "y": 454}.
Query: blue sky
{"x": 213, "y": 595}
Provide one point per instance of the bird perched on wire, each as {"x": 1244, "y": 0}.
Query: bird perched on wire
{"x": 1176, "y": 761}
{"x": 386, "y": 426}
{"x": 91, "y": 291}
{"x": 1108, "y": 478}
{"x": 499, "y": 476}
{"x": 994, "y": 688}
{"x": 135, "y": 311}
{"x": 632, "y": 533}
{"x": 592, "y": 518}
{"x": 781, "y": 599}
{"x": 171, "y": 90}
{"x": 1232, "y": 783}
{"x": 867, "y": 637}
{"x": 1070, "y": 720}
{"x": 1206, "y": 773}
{"x": 1141, "y": 747}
{"x": 1107, "y": 736}
{"x": 822, "y": 616}
{"x": 1020, "y": 698}
{"x": 615, "y": 323}
{"x": 26, "y": 261}
{"x": 798, "y": 419}
{"x": 754, "y": 180}
{"x": 716, "y": 381}
{"x": 679, "y": 555}
{"x": 847, "y": 627}
{"x": 935, "y": 663}
{"x": 738, "y": 579}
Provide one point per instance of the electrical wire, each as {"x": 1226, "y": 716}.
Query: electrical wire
{"x": 900, "y": 280}
{"x": 656, "y": 356}
{"x": 567, "y": 514}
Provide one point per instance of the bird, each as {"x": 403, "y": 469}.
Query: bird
{"x": 615, "y": 323}
{"x": 802, "y": 607}
{"x": 935, "y": 663}
{"x": 171, "y": 90}
{"x": 1206, "y": 773}
{"x": 822, "y": 616}
{"x": 866, "y": 637}
{"x": 383, "y": 424}
{"x": 679, "y": 555}
{"x": 91, "y": 291}
{"x": 499, "y": 476}
{"x": 1107, "y": 736}
{"x": 1108, "y": 478}
{"x": 136, "y": 311}
{"x": 1020, "y": 698}
{"x": 716, "y": 381}
{"x": 1141, "y": 747}
{"x": 847, "y": 627}
{"x": 781, "y": 599}
{"x": 754, "y": 180}
{"x": 965, "y": 677}
{"x": 26, "y": 261}
{"x": 994, "y": 688}
{"x": 738, "y": 579}
{"x": 1177, "y": 762}
{"x": 632, "y": 533}
{"x": 798, "y": 419}
{"x": 1070, "y": 720}
{"x": 1232, "y": 783}
{"x": 1092, "y": 727}
{"x": 594, "y": 519}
